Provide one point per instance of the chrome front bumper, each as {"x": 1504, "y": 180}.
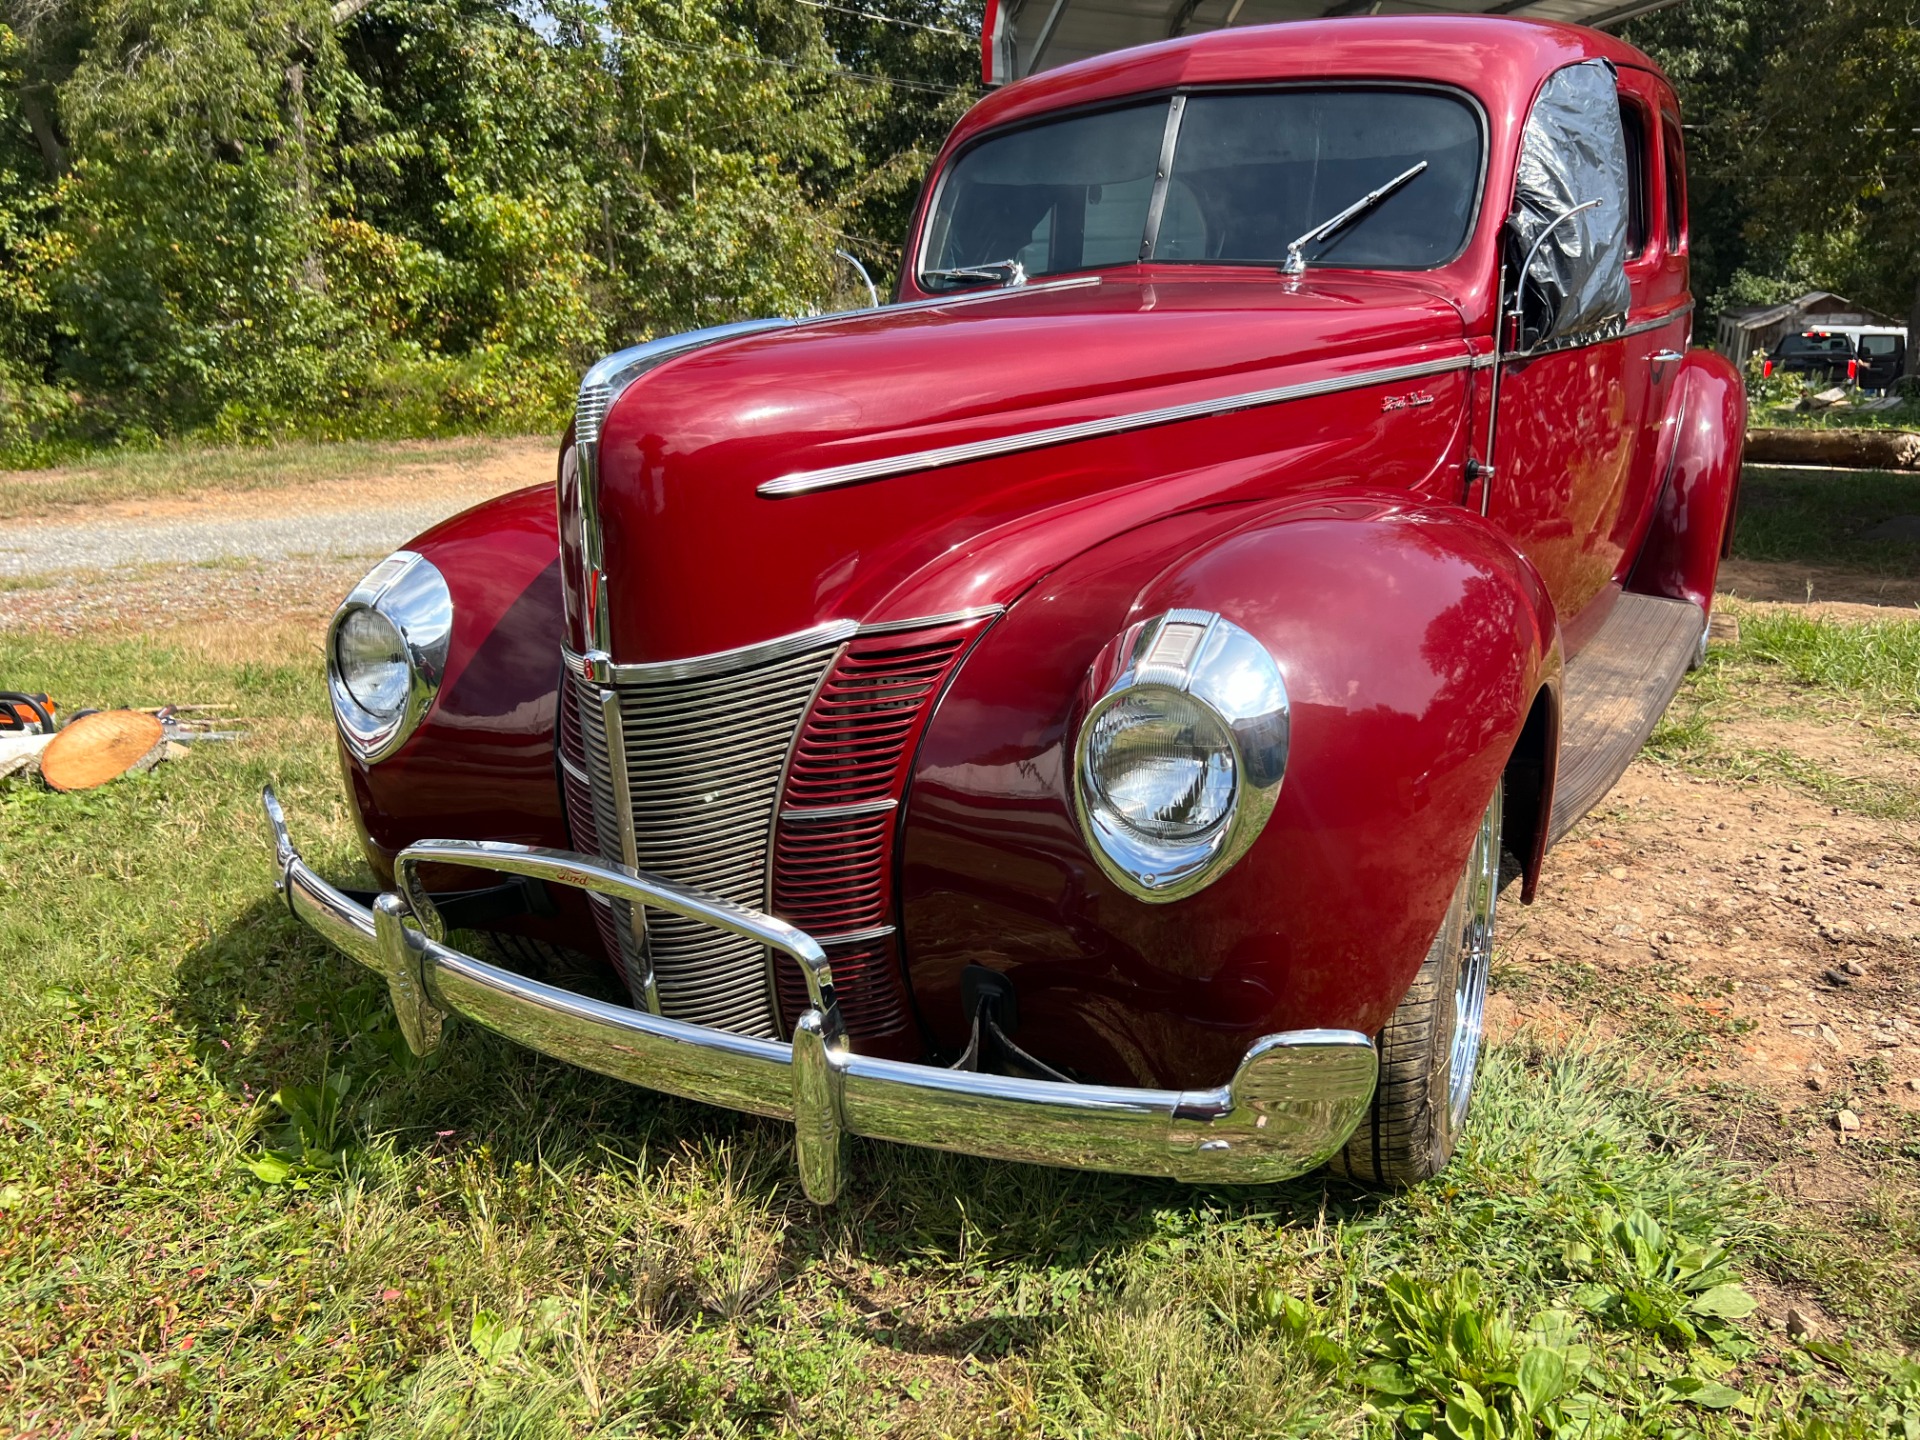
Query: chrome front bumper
{"x": 1292, "y": 1102}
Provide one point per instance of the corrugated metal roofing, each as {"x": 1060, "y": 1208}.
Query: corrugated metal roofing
{"x": 1035, "y": 35}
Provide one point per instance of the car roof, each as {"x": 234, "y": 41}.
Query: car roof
{"x": 1502, "y": 61}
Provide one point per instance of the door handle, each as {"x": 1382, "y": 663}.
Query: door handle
{"x": 1664, "y": 357}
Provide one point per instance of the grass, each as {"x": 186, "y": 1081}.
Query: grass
{"x": 189, "y": 469}
{"x": 1788, "y": 515}
{"x": 1903, "y": 416}
{"x": 1788, "y": 665}
{"x": 231, "y": 1202}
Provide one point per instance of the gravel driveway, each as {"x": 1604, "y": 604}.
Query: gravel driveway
{"x": 254, "y": 555}
{"x": 48, "y": 547}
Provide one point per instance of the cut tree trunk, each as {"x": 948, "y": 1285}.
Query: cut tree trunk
{"x": 1846, "y": 449}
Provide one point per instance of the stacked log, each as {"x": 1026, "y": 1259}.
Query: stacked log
{"x": 1861, "y": 449}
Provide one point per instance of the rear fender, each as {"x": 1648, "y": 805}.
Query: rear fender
{"x": 1414, "y": 643}
{"x": 1692, "y": 527}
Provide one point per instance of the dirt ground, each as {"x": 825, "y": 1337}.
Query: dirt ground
{"x": 1775, "y": 580}
{"x": 1754, "y": 944}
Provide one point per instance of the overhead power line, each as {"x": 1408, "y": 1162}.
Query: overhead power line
{"x": 884, "y": 19}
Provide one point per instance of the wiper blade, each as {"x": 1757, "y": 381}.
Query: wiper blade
{"x": 1008, "y": 272}
{"x": 1297, "y": 262}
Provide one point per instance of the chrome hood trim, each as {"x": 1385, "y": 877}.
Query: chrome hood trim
{"x": 804, "y": 482}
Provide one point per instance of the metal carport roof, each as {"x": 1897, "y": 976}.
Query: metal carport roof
{"x": 1025, "y": 36}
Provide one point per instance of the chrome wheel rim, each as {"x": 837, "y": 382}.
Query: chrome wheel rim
{"x": 1482, "y": 882}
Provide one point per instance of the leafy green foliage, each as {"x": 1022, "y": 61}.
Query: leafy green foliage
{"x": 246, "y": 220}
{"x": 1803, "y": 130}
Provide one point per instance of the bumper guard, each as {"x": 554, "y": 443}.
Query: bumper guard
{"x": 1292, "y": 1102}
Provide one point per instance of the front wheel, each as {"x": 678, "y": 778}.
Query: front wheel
{"x": 1430, "y": 1048}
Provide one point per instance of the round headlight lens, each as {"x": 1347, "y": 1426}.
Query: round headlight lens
{"x": 1160, "y": 764}
{"x": 370, "y": 656}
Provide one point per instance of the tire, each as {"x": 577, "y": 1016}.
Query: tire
{"x": 1430, "y": 1048}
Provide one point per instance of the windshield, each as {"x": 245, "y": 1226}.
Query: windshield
{"x": 1251, "y": 172}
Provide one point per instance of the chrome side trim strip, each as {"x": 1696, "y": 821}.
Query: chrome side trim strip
{"x": 1639, "y": 327}
{"x": 805, "y": 482}
{"x": 837, "y": 812}
{"x": 929, "y": 622}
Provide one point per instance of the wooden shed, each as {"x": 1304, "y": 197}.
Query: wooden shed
{"x": 1756, "y": 327}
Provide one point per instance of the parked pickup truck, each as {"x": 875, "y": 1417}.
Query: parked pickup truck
{"x": 1085, "y": 710}
{"x": 1816, "y": 353}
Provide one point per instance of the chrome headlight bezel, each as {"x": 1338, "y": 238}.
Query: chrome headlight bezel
{"x": 1234, "y": 678}
{"x": 408, "y": 592}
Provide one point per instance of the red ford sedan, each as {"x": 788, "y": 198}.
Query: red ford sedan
{"x": 1085, "y": 710}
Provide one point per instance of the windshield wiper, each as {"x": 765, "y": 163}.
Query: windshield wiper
{"x": 1296, "y": 263}
{"x": 1008, "y": 272}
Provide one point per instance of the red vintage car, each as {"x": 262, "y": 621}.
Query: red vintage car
{"x": 1084, "y": 710}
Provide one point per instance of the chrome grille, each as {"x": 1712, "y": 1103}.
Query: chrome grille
{"x": 704, "y": 757}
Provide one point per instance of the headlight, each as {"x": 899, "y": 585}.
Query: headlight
{"x": 387, "y": 653}
{"x": 1180, "y": 757}
{"x": 371, "y": 657}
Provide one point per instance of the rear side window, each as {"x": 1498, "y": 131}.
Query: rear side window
{"x": 1676, "y": 186}
{"x": 1633, "y": 121}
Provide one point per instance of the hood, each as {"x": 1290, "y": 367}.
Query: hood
{"x": 921, "y": 459}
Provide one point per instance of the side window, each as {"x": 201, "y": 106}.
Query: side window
{"x": 1676, "y": 185}
{"x": 1633, "y": 121}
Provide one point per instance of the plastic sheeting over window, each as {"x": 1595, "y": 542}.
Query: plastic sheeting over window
{"x": 1573, "y": 151}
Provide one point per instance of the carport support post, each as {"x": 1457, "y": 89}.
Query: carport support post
{"x": 1912, "y": 366}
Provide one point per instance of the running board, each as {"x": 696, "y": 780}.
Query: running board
{"x": 1613, "y": 694}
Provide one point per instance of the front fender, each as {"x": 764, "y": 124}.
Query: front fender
{"x": 481, "y": 764}
{"x": 1413, "y": 642}
{"x": 1692, "y": 529}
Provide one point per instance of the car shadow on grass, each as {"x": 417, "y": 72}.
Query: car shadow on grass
{"x": 307, "y": 1036}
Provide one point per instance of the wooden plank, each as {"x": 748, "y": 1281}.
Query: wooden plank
{"x": 1613, "y": 694}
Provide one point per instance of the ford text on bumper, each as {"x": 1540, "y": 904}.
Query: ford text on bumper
{"x": 1291, "y": 1103}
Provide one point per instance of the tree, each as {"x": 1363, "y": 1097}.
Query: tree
{"x": 1717, "y": 53}
{"x": 1842, "y": 144}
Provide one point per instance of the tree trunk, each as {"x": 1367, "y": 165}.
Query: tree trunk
{"x": 1861, "y": 449}
{"x": 51, "y": 149}
{"x": 312, "y": 272}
